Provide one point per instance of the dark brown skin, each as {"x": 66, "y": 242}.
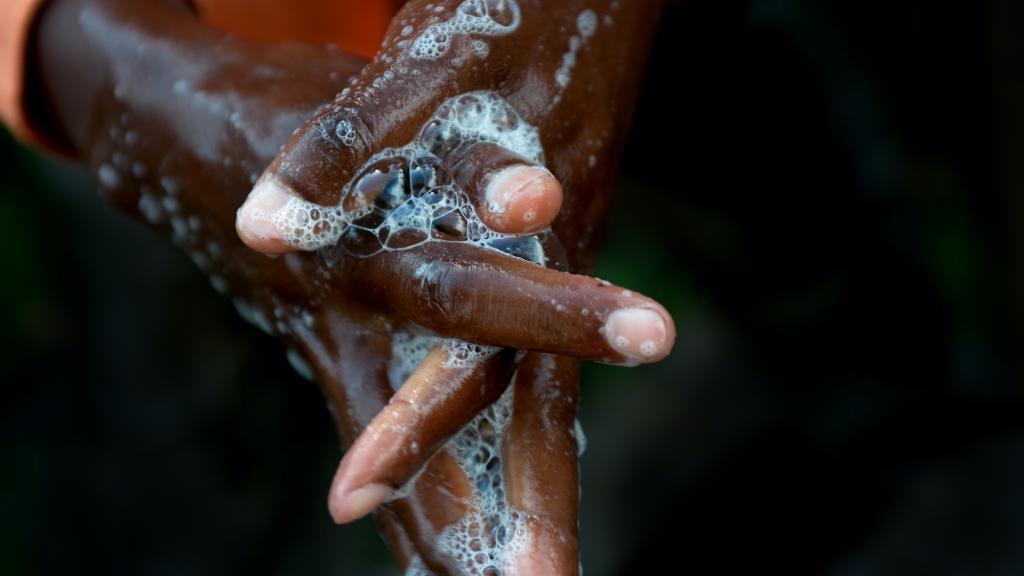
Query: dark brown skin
{"x": 177, "y": 120}
{"x": 591, "y": 116}
{"x": 589, "y": 120}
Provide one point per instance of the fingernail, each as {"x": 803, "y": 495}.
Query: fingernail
{"x": 522, "y": 198}
{"x": 358, "y": 503}
{"x": 639, "y": 334}
{"x": 255, "y": 219}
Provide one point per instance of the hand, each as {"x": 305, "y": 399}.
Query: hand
{"x": 176, "y": 138}
{"x": 581, "y": 130}
{"x": 581, "y": 122}
{"x": 570, "y": 71}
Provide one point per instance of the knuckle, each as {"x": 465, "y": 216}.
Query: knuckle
{"x": 438, "y": 296}
{"x": 342, "y": 129}
{"x": 433, "y": 294}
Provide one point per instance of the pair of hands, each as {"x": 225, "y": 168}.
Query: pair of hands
{"x": 178, "y": 123}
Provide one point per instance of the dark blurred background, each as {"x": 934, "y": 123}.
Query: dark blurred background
{"x": 829, "y": 198}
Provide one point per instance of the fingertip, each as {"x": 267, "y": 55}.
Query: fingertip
{"x": 254, "y": 221}
{"x": 521, "y": 199}
{"x": 350, "y": 505}
{"x": 642, "y": 334}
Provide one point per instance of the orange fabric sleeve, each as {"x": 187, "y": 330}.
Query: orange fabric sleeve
{"x": 15, "y": 26}
{"x": 356, "y": 26}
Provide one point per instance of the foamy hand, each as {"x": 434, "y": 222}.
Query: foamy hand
{"x": 502, "y": 497}
{"x": 178, "y": 126}
{"x": 434, "y": 52}
{"x": 443, "y": 137}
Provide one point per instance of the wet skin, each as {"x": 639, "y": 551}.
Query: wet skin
{"x": 177, "y": 121}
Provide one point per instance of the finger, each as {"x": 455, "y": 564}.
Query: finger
{"x": 397, "y": 540}
{"x": 439, "y": 498}
{"x": 540, "y": 453}
{"x": 258, "y": 221}
{"x": 357, "y": 389}
{"x": 310, "y": 173}
{"x": 462, "y": 291}
{"x": 444, "y": 393}
{"x": 343, "y": 147}
{"x": 511, "y": 194}
{"x": 349, "y": 364}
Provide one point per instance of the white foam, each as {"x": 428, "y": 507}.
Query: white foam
{"x": 403, "y": 197}
{"x": 345, "y": 133}
{"x": 465, "y": 354}
{"x": 150, "y": 208}
{"x": 586, "y": 25}
{"x": 407, "y": 351}
{"x": 488, "y": 539}
{"x": 648, "y": 348}
{"x": 416, "y": 567}
{"x": 109, "y": 177}
{"x": 581, "y": 438}
{"x": 480, "y": 17}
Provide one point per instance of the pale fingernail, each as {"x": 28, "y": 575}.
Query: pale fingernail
{"x": 255, "y": 219}
{"x": 345, "y": 508}
{"x": 522, "y": 198}
{"x": 639, "y": 334}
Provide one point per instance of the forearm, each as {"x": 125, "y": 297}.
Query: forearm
{"x": 80, "y": 50}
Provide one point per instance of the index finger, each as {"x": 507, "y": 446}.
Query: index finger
{"x": 317, "y": 187}
{"x": 481, "y": 295}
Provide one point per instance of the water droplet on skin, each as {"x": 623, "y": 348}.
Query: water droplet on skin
{"x": 108, "y": 177}
{"x": 219, "y": 284}
{"x": 170, "y": 185}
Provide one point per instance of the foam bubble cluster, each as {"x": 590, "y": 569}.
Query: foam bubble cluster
{"x": 407, "y": 351}
{"x": 481, "y": 17}
{"x": 346, "y": 133}
{"x": 403, "y": 197}
{"x": 462, "y": 353}
{"x": 488, "y": 538}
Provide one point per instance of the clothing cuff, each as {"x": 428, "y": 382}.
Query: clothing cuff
{"x": 16, "y": 24}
